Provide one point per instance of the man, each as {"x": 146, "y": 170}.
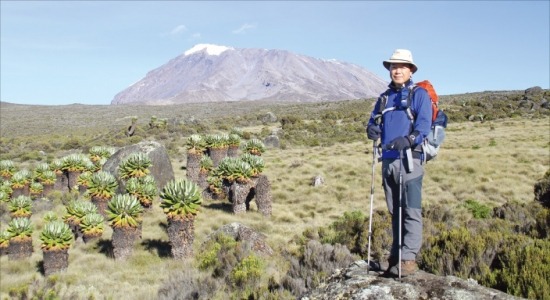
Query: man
{"x": 402, "y": 129}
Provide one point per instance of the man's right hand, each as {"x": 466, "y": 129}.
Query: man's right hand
{"x": 373, "y": 132}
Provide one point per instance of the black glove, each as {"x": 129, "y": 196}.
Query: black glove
{"x": 373, "y": 132}
{"x": 400, "y": 143}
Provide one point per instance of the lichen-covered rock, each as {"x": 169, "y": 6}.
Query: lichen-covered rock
{"x": 356, "y": 283}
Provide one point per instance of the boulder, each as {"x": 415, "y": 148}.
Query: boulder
{"x": 534, "y": 90}
{"x": 268, "y": 118}
{"x": 161, "y": 167}
{"x": 272, "y": 141}
{"x": 317, "y": 181}
{"x": 245, "y": 234}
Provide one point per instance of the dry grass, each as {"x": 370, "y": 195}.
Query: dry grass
{"x": 492, "y": 162}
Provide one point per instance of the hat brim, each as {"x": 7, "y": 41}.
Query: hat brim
{"x": 387, "y": 64}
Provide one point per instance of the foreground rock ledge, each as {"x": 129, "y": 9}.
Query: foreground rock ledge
{"x": 354, "y": 283}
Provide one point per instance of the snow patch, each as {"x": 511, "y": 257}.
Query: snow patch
{"x": 210, "y": 49}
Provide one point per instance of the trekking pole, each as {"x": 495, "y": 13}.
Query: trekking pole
{"x": 371, "y": 202}
{"x": 400, "y": 206}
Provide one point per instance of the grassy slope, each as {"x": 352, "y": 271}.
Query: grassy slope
{"x": 490, "y": 162}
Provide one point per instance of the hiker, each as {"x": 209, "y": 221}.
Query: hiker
{"x": 401, "y": 133}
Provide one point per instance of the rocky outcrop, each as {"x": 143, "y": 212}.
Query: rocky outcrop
{"x": 356, "y": 283}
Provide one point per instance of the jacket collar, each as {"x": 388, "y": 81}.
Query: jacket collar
{"x": 397, "y": 89}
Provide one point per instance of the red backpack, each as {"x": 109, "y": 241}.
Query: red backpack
{"x": 425, "y": 84}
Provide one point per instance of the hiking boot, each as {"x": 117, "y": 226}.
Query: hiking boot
{"x": 408, "y": 267}
{"x": 392, "y": 261}
{"x": 386, "y": 265}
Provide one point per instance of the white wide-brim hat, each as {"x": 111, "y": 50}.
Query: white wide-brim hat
{"x": 401, "y": 56}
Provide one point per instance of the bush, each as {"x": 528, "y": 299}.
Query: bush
{"x": 316, "y": 263}
{"x": 478, "y": 210}
{"x": 542, "y": 190}
{"x": 509, "y": 252}
{"x": 525, "y": 269}
{"x": 228, "y": 267}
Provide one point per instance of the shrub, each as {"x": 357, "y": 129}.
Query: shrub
{"x": 525, "y": 270}
{"x": 478, "y": 210}
{"x": 542, "y": 190}
{"x": 246, "y": 275}
{"x": 316, "y": 263}
{"x": 347, "y": 230}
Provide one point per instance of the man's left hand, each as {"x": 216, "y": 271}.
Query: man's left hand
{"x": 400, "y": 143}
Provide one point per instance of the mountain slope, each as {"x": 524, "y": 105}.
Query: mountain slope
{"x": 208, "y": 73}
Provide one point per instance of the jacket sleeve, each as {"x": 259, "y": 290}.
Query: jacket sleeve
{"x": 422, "y": 109}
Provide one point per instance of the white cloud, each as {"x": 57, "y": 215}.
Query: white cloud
{"x": 244, "y": 28}
{"x": 178, "y": 30}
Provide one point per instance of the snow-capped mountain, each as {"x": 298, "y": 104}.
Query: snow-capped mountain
{"x": 208, "y": 73}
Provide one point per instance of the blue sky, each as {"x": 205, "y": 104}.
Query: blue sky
{"x": 63, "y": 52}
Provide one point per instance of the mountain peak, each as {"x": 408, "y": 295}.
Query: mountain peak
{"x": 241, "y": 74}
{"x": 211, "y": 49}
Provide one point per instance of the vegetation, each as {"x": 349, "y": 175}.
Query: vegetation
{"x": 143, "y": 188}
{"x": 124, "y": 211}
{"x": 4, "y": 241}
{"x": 195, "y": 144}
{"x": 135, "y": 165}
{"x": 234, "y": 170}
{"x": 493, "y": 161}
{"x": 181, "y": 199}
{"x": 20, "y": 179}
{"x": 20, "y": 228}
{"x": 7, "y": 168}
{"x": 56, "y": 235}
{"x": 254, "y": 147}
{"x": 75, "y": 162}
{"x": 47, "y": 177}
{"x": 102, "y": 185}
{"x": 20, "y": 207}
{"x": 76, "y": 210}
{"x": 91, "y": 225}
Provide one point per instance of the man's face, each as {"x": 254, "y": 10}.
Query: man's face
{"x": 400, "y": 73}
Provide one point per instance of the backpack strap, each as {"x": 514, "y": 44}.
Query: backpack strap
{"x": 412, "y": 88}
{"x": 383, "y": 99}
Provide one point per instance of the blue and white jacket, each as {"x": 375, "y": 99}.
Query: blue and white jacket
{"x": 396, "y": 122}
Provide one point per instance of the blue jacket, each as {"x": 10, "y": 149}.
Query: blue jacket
{"x": 396, "y": 123}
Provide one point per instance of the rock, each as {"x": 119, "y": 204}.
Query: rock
{"x": 268, "y": 118}
{"x": 356, "y": 283}
{"x": 544, "y": 104}
{"x": 161, "y": 167}
{"x": 272, "y": 141}
{"x": 318, "y": 181}
{"x": 242, "y": 233}
{"x": 534, "y": 90}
